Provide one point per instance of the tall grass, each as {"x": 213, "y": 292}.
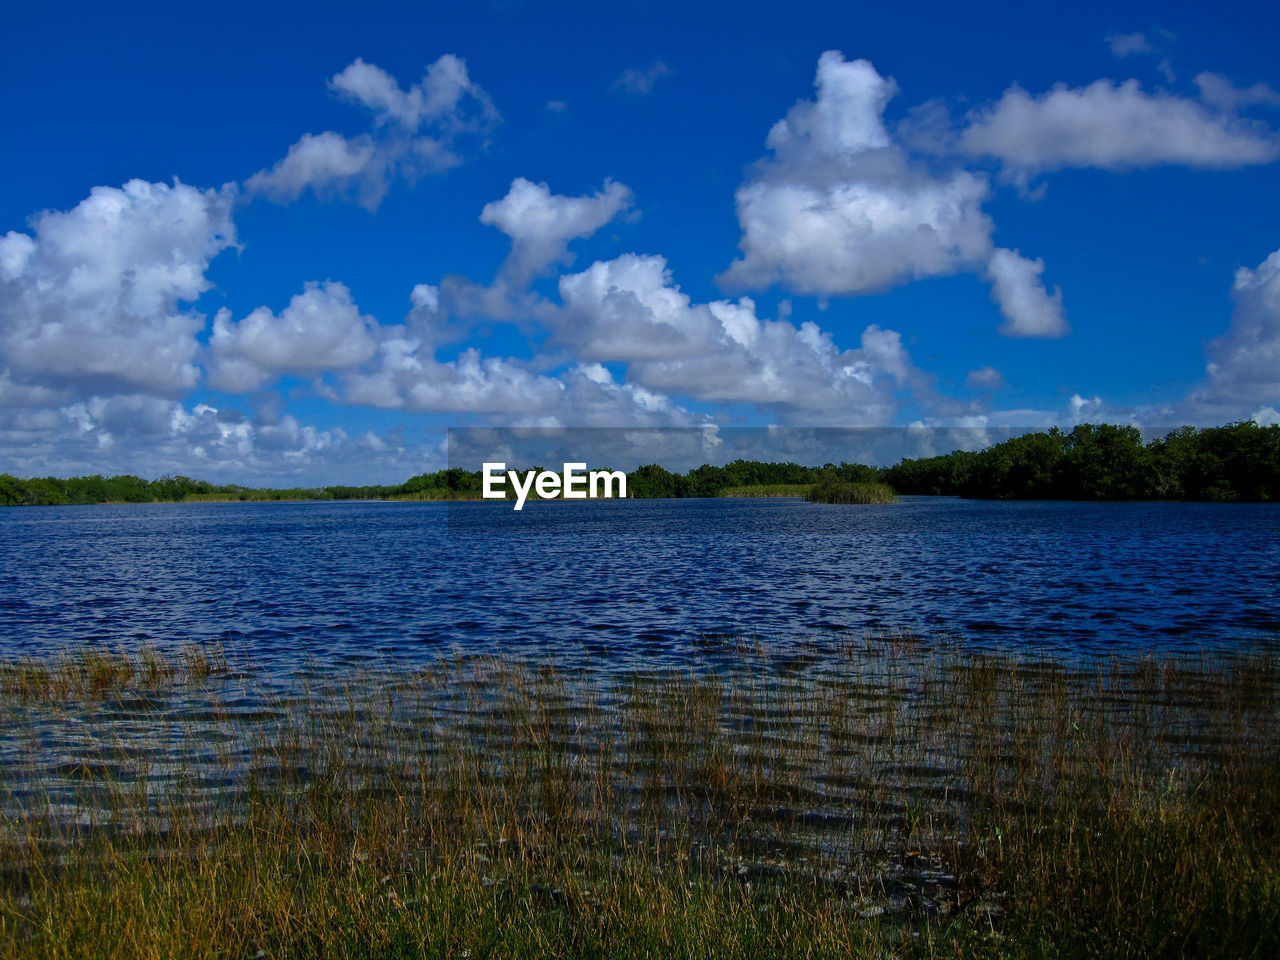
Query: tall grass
{"x": 899, "y": 798}
{"x": 837, "y": 491}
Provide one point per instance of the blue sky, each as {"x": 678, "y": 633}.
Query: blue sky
{"x": 293, "y": 244}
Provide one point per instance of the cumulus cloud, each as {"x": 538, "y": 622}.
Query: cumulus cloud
{"x": 93, "y": 300}
{"x": 26, "y": 394}
{"x": 593, "y": 397}
{"x": 414, "y": 134}
{"x": 325, "y": 162}
{"x": 1243, "y": 373}
{"x": 396, "y": 367}
{"x": 857, "y": 237}
{"x": 151, "y": 436}
{"x": 541, "y": 224}
{"x": 1028, "y": 308}
{"x": 1113, "y": 126}
{"x": 440, "y": 97}
{"x": 1088, "y": 410}
{"x": 844, "y": 118}
{"x": 840, "y": 209}
{"x": 430, "y": 319}
{"x": 407, "y": 376}
{"x": 798, "y": 373}
{"x": 321, "y": 330}
{"x": 1219, "y": 92}
{"x": 628, "y": 310}
{"x": 641, "y": 82}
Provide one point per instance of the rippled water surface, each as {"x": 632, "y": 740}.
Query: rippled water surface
{"x": 633, "y": 581}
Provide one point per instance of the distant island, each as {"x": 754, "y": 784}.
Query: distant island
{"x": 1237, "y": 462}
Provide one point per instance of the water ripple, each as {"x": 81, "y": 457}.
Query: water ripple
{"x": 638, "y": 580}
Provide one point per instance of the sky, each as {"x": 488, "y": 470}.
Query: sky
{"x": 295, "y": 244}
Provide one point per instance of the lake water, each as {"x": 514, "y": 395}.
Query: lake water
{"x": 657, "y": 582}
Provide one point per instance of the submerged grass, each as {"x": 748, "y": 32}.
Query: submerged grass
{"x": 901, "y": 799}
{"x": 90, "y": 671}
{"x": 837, "y": 491}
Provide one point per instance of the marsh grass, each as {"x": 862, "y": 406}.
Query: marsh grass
{"x": 92, "y": 672}
{"x": 837, "y": 491}
{"x": 899, "y": 798}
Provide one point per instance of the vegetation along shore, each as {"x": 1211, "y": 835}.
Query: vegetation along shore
{"x": 902, "y": 798}
{"x": 1238, "y": 462}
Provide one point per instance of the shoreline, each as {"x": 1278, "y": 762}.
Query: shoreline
{"x": 901, "y": 796}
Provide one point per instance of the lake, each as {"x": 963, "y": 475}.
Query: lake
{"x": 639, "y": 582}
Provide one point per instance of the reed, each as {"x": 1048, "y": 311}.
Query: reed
{"x": 95, "y": 673}
{"x": 837, "y": 491}
{"x": 897, "y": 797}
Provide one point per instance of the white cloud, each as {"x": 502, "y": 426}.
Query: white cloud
{"x": 441, "y": 95}
{"x": 840, "y": 209}
{"x": 406, "y": 376}
{"x": 858, "y": 237}
{"x": 593, "y": 398}
{"x": 92, "y": 302}
{"x": 1217, "y": 91}
{"x": 394, "y": 367}
{"x": 1086, "y": 410}
{"x": 541, "y": 224}
{"x": 425, "y": 296}
{"x": 1243, "y": 374}
{"x": 846, "y": 116}
{"x": 329, "y": 163}
{"x": 1028, "y": 308}
{"x": 16, "y": 251}
{"x": 151, "y": 437}
{"x": 628, "y": 310}
{"x": 321, "y": 330}
{"x": 1114, "y": 126}
{"x": 797, "y": 373}
{"x": 624, "y": 310}
{"x": 414, "y": 134}
{"x": 984, "y": 378}
{"x": 26, "y": 394}
{"x": 641, "y": 82}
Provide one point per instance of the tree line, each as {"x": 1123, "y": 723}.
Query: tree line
{"x": 1240, "y": 461}
{"x": 130, "y": 489}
